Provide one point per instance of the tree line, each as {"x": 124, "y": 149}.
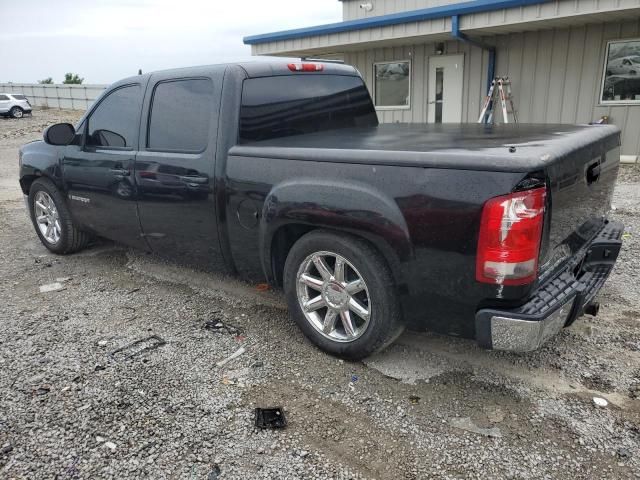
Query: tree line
{"x": 69, "y": 79}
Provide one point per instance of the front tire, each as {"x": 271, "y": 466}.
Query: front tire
{"x": 16, "y": 112}
{"x": 341, "y": 294}
{"x": 52, "y": 220}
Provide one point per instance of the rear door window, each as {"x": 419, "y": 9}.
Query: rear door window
{"x": 287, "y": 105}
{"x": 4, "y": 97}
{"x": 116, "y": 120}
{"x": 180, "y": 115}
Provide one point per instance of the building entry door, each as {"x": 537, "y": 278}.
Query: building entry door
{"x": 445, "y": 88}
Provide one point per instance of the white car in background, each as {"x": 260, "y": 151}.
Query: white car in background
{"x": 14, "y": 105}
{"x": 624, "y": 66}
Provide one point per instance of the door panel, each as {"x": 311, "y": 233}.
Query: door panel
{"x": 101, "y": 193}
{"x": 446, "y": 74}
{"x": 98, "y": 173}
{"x": 174, "y": 172}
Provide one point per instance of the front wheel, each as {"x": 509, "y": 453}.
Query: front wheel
{"x": 341, "y": 294}
{"x": 52, "y": 220}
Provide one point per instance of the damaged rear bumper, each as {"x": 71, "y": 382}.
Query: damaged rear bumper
{"x": 556, "y": 303}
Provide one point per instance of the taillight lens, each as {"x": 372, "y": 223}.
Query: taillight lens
{"x": 306, "y": 67}
{"x": 510, "y": 234}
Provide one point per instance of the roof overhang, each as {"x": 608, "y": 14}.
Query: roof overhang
{"x": 477, "y": 18}
{"x": 443, "y": 11}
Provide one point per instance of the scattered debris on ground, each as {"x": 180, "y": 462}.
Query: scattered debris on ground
{"x": 465, "y": 423}
{"x": 231, "y": 357}
{"x": 51, "y": 287}
{"x": 270, "y": 418}
{"x": 138, "y": 347}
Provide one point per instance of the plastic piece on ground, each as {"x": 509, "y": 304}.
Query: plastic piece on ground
{"x": 270, "y": 418}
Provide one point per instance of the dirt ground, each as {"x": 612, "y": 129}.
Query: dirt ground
{"x": 72, "y": 406}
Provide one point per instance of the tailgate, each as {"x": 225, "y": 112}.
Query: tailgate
{"x": 581, "y": 185}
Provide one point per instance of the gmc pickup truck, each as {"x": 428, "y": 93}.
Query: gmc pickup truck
{"x": 280, "y": 173}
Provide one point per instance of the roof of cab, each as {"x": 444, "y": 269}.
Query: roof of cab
{"x": 254, "y": 69}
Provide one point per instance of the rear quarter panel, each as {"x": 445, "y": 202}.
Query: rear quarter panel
{"x": 423, "y": 220}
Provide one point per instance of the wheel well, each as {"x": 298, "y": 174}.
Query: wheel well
{"x": 286, "y": 236}
{"x": 26, "y": 181}
{"x": 281, "y": 243}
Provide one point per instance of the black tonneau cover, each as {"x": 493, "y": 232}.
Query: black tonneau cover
{"x": 461, "y": 146}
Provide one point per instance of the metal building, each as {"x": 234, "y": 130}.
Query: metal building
{"x": 570, "y": 61}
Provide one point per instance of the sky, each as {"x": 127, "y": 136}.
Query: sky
{"x": 104, "y": 41}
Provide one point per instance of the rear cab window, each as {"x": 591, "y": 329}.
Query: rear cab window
{"x": 180, "y": 115}
{"x": 281, "y": 106}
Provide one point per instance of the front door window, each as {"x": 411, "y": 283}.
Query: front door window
{"x": 114, "y": 123}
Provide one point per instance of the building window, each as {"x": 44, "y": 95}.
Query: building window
{"x": 392, "y": 88}
{"x": 621, "y": 79}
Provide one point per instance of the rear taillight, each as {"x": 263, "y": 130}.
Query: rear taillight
{"x": 305, "y": 67}
{"x": 509, "y": 241}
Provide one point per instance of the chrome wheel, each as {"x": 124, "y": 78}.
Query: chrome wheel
{"x": 47, "y": 217}
{"x": 333, "y": 296}
{"x": 17, "y": 113}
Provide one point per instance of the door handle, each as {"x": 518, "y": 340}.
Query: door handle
{"x": 119, "y": 172}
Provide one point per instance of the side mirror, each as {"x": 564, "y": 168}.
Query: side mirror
{"x": 60, "y": 134}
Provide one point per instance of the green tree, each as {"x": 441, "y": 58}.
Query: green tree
{"x": 46, "y": 81}
{"x": 72, "y": 78}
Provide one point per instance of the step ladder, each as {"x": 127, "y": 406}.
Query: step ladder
{"x": 502, "y": 84}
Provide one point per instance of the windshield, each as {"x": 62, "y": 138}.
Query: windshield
{"x": 282, "y": 106}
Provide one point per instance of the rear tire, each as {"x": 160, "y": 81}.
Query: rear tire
{"x": 356, "y": 311}
{"x": 52, "y": 220}
{"x": 16, "y": 112}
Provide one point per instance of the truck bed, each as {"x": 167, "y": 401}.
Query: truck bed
{"x": 457, "y": 146}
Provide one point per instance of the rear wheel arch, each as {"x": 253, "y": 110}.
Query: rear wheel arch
{"x": 286, "y": 236}
{"x": 297, "y": 206}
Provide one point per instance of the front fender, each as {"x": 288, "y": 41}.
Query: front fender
{"x": 350, "y": 207}
{"x": 37, "y": 159}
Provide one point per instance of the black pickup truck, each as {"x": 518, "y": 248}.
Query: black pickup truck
{"x": 280, "y": 173}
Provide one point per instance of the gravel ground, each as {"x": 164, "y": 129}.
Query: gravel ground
{"x": 428, "y": 407}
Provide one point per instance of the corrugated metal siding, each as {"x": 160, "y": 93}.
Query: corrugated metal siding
{"x": 532, "y": 17}
{"x": 351, "y": 8}
{"x": 556, "y": 76}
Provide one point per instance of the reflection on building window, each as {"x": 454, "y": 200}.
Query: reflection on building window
{"x": 621, "y": 83}
{"x": 392, "y": 84}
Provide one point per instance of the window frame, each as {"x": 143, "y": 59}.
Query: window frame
{"x": 147, "y": 148}
{"x": 604, "y": 76}
{"x": 391, "y": 107}
{"x": 87, "y": 120}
